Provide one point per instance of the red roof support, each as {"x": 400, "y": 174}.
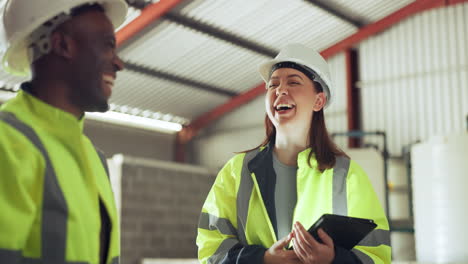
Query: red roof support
{"x": 184, "y": 136}
{"x": 385, "y": 23}
{"x": 353, "y": 95}
{"x": 148, "y": 15}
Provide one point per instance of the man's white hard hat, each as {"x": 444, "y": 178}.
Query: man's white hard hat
{"x": 304, "y": 56}
{"x": 22, "y": 17}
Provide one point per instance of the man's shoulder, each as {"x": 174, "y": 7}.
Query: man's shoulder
{"x": 13, "y": 141}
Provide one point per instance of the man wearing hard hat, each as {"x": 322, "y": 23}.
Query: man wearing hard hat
{"x": 56, "y": 201}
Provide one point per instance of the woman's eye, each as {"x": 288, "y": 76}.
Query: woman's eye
{"x": 273, "y": 85}
{"x": 294, "y": 83}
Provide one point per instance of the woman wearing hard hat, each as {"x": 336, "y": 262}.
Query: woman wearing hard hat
{"x": 264, "y": 198}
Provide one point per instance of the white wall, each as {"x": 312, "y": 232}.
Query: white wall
{"x": 240, "y": 130}
{"x": 113, "y": 139}
{"x": 414, "y": 77}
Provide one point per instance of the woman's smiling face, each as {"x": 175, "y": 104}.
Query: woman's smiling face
{"x": 291, "y": 98}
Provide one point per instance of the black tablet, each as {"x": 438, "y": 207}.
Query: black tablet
{"x": 345, "y": 231}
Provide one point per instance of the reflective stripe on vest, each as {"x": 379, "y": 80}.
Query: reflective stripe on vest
{"x": 223, "y": 225}
{"x": 339, "y": 203}
{"x": 340, "y": 206}
{"x": 243, "y": 196}
{"x": 340, "y": 173}
{"x": 210, "y": 222}
{"x": 54, "y": 208}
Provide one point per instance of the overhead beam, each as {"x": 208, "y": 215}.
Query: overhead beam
{"x": 149, "y": 14}
{"x": 188, "y": 132}
{"x": 369, "y": 30}
{"x": 385, "y": 23}
{"x": 219, "y": 33}
{"x": 333, "y": 10}
{"x": 178, "y": 79}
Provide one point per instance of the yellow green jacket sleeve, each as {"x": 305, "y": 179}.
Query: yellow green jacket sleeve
{"x": 217, "y": 239}
{"x": 364, "y": 203}
{"x": 20, "y": 165}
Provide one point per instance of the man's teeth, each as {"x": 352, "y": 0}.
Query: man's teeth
{"x": 108, "y": 79}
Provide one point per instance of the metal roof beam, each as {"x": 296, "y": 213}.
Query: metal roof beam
{"x": 337, "y": 12}
{"x": 219, "y": 33}
{"x": 149, "y": 15}
{"x": 178, "y": 79}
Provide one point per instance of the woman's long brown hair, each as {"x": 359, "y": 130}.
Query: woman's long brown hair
{"x": 322, "y": 146}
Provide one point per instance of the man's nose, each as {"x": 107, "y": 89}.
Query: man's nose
{"x": 118, "y": 63}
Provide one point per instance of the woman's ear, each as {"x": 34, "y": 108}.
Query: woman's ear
{"x": 62, "y": 45}
{"x": 320, "y": 102}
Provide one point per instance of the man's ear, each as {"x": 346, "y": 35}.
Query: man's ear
{"x": 62, "y": 45}
{"x": 320, "y": 102}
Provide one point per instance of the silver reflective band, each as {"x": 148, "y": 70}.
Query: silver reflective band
{"x": 103, "y": 159}
{"x": 376, "y": 238}
{"x": 340, "y": 173}
{"x": 115, "y": 260}
{"x": 211, "y": 222}
{"x": 243, "y": 196}
{"x": 222, "y": 250}
{"x": 54, "y": 207}
{"x": 364, "y": 258}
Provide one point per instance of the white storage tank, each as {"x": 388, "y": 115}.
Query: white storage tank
{"x": 440, "y": 184}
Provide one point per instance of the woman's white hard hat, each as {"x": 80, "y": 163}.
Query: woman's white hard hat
{"x": 305, "y": 56}
{"x": 22, "y": 17}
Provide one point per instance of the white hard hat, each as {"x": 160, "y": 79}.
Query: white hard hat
{"x": 304, "y": 56}
{"x": 22, "y": 17}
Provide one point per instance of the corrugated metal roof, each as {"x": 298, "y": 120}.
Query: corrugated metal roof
{"x": 185, "y": 52}
{"x": 203, "y": 58}
{"x": 141, "y": 91}
{"x": 273, "y": 23}
{"x": 370, "y": 10}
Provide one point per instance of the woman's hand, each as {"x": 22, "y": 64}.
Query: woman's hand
{"x": 309, "y": 250}
{"x": 277, "y": 253}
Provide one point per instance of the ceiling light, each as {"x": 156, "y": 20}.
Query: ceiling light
{"x": 135, "y": 121}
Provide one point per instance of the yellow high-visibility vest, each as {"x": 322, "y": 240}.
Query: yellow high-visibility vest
{"x": 235, "y": 216}
{"x": 51, "y": 182}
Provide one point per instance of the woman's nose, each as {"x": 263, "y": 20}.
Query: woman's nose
{"x": 282, "y": 90}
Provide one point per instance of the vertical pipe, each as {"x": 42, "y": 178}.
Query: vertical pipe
{"x": 386, "y": 156}
{"x": 180, "y": 145}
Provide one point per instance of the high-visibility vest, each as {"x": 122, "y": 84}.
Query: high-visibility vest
{"x": 235, "y": 213}
{"x": 51, "y": 218}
